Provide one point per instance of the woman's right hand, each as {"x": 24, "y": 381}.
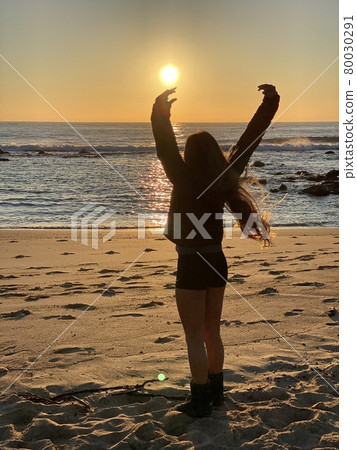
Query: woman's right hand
{"x": 268, "y": 90}
{"x": 163, "y": 104}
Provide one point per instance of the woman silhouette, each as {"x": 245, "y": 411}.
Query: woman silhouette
{"x": 204, "y": 181}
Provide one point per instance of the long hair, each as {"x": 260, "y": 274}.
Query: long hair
{"x": 204, "y": 156}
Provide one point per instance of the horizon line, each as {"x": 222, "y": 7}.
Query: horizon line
{"x": 148, "y": 122}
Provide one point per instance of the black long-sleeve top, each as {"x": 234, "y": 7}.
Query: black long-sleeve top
{"x": 185, "y": 208}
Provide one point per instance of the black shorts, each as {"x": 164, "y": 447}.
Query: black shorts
{"x": 193, "y": 272}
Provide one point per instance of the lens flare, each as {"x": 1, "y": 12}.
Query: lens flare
{"x": 169, "y": 74}
{"x": 161, "y": 377}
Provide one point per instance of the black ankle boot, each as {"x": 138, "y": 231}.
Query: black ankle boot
{"x": 216, "y": 380}
{"x": 200, "y": 403}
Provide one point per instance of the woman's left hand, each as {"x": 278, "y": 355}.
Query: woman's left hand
{"x": 163, "y": 104}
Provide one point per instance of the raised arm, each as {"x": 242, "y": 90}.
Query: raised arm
{"x": 240, "y": 153}
{"x": 166, "y": 145}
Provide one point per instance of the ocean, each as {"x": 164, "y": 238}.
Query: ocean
{"x": 48, "y": 172}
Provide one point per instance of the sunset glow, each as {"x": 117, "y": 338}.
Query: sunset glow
{"x": 217, "y": 56}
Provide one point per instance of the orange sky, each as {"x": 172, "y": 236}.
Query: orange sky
{"x": 100, "y": 61}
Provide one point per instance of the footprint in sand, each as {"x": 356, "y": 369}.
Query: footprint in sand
{"x": 309, "y": 283}
{"x": 164, "y": 340}
{"x": 330, "y": 300}
{"x": 327, "y": 267}
{"x": 330, "y": 348}
{"x": 157, "y": 272}
{"x": 79, "y": 306}
{"x": 151, "y": 304}
{"x": 272, "y": 322}
{"x": 7, "y": 277}
{"x": 16, "y": 315}
{"x": 259, "y": 396}
{"x": 34, "y": 298}
{"x": 111, "y": 252}
{"x": 139, "y": 286}
{"x": 105, "y": 271}
{"x": 69, "y": 285}
{"x": 170, "y": 286}
{"x": 13, "y": 294}
{"x": 282, "y": 416}
{"x": 3, "y": 371}
{"x": 276, "y": 272}
{"x": 21, "y": 256}
{"x": 294, "y": 312}
{"x": 99, "y": 285}
{"x": 62, "y": 240}
{"x": 84, "y": 269}
{"x": 67, "y": 253}
{"x": 133, "y": 277}
{"x": 238, "y": 278}
{"x": 55, "y": 272}
{"x": 59, "y": 317}
{"x": 333, "y": 313}
{"x": 306, "y": 257}
{"x": 109, "y": 293}
{"x": 268, "y": 291}
{"x": 227, "y": 323}
{"x": 128, "y": 315}
{"x": 66, "y": 350}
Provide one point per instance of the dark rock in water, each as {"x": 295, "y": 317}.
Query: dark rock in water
{"x": 279, "y": 173}
{"x": 332, "y": 186}
{"x": 303, "y": 173}
{"x": 332, "y": 175}
{"x": 4, "y": 159}
{"x": 41, "y": 152}
{"x": 318, "y": 190}
{"x": 258, "y": 164}
{"x": 281, "y": 188}
{"x": 2, "y": 152}
{"x": 262, "y": 181}
{"x": 330, "y": 152}
{"x": 315, "y": 177}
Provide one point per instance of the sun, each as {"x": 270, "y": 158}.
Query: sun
{"x": 169, "y": 74}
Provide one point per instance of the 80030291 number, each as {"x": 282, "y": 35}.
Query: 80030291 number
{"x": 348, "y": 45}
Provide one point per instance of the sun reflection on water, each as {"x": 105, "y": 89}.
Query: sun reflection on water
{"x": 157, "y": 189}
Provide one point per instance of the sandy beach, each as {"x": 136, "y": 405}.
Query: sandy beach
{"x": 80, "y": 319}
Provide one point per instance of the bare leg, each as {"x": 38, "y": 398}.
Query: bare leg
{"x": 214, "y": 345}
{"x": 191, "y": 305}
